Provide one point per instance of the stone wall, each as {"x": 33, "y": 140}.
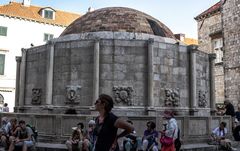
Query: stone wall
{"x": 203, "y": 87}
{"x": 143, "y": 73}
{"x": 219, "y": 83}
{"x": 73, "y": 68}
{"x": 232, "y": 49}
{"x": 171, "y": 72}
{"x": 206, "y": 27}
{"x": 58, "y": 127}
{"x": 209, "y": 28}
{"x": 36, "y": 63}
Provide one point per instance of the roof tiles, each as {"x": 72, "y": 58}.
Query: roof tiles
{"x": 14, "y": 9}
{"x": 212, "y": 9}
{"x": 118, "y": 19}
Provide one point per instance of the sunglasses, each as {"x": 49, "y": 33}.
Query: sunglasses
{"x": 97, "y": 101}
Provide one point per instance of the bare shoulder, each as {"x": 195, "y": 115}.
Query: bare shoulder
{"x": 121, "y": 123}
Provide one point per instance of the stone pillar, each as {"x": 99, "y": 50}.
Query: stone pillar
{"x": 150, "y": 73}
{"x": 212, "y": 58}
{"x": 18, "y": 59}
{"x": 22, "y": 78}
{"x": 193, "y": 78}
{"x": 96, "y": 71}
{"x": 49, "y": 80}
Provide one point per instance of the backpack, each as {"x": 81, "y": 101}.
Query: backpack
{"x": 177, "y": 142}
{"x": 236, "y": 133}
{"x": 35, "y": 132}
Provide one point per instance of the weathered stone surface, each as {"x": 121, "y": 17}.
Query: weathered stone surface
{"x": 118, "y": 19}
{"x": 99, "y": 61}
{"x": 231, "y": 32}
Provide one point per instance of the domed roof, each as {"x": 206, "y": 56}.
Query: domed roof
{"x": 118, "y": 19}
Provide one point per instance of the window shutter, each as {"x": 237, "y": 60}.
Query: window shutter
{"x": 2, "y": 63}
{"x": 3, "y": 31}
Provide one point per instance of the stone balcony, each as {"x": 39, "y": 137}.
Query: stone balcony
{"x": 215, "y": 29}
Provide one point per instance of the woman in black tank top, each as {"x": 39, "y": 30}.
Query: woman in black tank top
{"x": 107, "y": 125}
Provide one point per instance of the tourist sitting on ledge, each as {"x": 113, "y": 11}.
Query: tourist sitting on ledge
{"x": 150, "y": 138}
{"x": 218, "y": 137}
{"x": 75, "y": 142}
{"x": 23, "y": 139}
{"x": 131, "y": 142}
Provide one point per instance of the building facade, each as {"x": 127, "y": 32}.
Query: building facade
{"x": 210, "y": 39}
{"x": 23, "y": 25}
{"x": 231, "y": 33}
{"x": 218, "y": 32}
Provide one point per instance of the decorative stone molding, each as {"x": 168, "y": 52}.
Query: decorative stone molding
{"x": 36, "y": 96}
{"x": 1, "y": 99}
{"x": 150, "y": 41}
{"x": 202, "y": 100}
{"x": 123, "y": 95}
{"x": 72, "y": 94}
{"x": 172, "y": 97}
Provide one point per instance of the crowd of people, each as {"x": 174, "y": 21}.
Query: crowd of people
{"x": 15, "y": 134}
{"x": 219, "y": 134}
{"x": 101, "y": 133}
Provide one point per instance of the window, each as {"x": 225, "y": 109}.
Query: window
{"x": 48, "y": 14}
{"x": 47, "y": 37}
{"x": 2, "y": 63}
{"x": 217, "y": 48}
{"x": 3, "y": 31}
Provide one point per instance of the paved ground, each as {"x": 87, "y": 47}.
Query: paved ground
{"x": 188, "y": 147}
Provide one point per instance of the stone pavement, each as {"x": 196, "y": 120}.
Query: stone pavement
{"x": 207, "y": 147}
{"x": 186, "y": 147}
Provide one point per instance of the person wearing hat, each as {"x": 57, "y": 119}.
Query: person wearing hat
{"x": 107, "y": 125}
{"x": 89, "y": 138}
{"x": 170, "y": 131}
{"x": 75, "y": 142}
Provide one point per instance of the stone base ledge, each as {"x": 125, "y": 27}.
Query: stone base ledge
{"x": 50, "y": 147}
{"x": 198, "y": 147}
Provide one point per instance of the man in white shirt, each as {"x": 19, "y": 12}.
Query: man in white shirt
{"x": 219, "y": 136}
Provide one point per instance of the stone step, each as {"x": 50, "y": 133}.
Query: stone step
{"x": 198, "y": 147}
{"x": 186, "y": 147}
{"x": 50, "y": 147}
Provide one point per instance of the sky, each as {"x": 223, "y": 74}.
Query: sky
{"x": 178, "y": 15}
